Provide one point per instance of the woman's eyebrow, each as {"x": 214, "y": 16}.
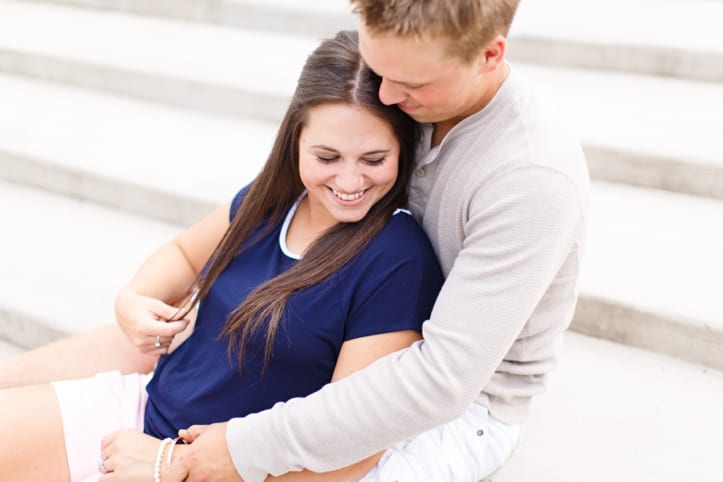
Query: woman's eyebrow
{"x": 322, "y": 146}
{"x": 331, "y": 149}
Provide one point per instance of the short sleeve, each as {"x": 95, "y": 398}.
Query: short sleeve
{"x": 237, "y": 200}
{"x": 397, "y": 280}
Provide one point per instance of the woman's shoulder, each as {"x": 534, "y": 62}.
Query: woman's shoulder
{"x": 400, "y": 254}
{"x": 402, "y": 223}
{"x": 401, "y": 237}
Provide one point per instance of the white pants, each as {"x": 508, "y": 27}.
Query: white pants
{"x": 468, "y": 449}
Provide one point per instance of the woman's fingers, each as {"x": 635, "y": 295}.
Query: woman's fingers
{"x": 162, "y": 336}
{"x": 143, "y": 318}
{"x": 156, "y": 336}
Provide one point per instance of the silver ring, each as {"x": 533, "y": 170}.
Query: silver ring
{"x": 158, "y": 343}
{"x": 101, "y": 465}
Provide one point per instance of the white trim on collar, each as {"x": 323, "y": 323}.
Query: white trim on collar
{"x": 287, "y": 223}
{"x": 285, "y": 229}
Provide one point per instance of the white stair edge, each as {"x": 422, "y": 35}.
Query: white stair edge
{"x": 657, "y": 171}
{"x": 673, "y": 335}
{"x": 655, "y": 250}
{"x": 649, "y": 276}
{"x": 650, "y": 60}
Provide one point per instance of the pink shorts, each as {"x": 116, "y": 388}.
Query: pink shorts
{"x": 91, "y": 408}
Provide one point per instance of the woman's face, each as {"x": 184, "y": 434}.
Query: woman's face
{"x": 348, "y": 161}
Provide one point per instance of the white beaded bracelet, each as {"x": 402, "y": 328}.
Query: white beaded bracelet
{"x": 159, "y": 456}
{"x": 169, "y": 457}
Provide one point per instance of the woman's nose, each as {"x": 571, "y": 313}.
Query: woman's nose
{"x": 350, "y": 178}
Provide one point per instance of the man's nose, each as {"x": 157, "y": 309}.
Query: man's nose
{"x": 391, "y": 93}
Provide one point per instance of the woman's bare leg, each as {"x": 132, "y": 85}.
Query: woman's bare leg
{"x": 351, "y": 473}
{"x": 78, "y": 356}
{"x": 32, "y": 446}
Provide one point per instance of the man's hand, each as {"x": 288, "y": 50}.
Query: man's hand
{"x": 206, "y": 459}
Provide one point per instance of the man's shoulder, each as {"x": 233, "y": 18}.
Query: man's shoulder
{"x": 518, "y": 130}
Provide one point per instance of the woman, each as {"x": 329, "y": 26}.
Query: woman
{"x": 310, "y": 273}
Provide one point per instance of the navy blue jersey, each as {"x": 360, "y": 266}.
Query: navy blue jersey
{"x": 389, "y": 286}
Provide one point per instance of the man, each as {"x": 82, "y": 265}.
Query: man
{"x": 501, "y": 191}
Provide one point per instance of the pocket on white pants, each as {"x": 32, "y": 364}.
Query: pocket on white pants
{"x": 465, "y": 450}
{"x": 399, "y": 465}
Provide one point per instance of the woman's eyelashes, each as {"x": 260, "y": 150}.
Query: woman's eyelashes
{"x": 372, "y": 161}
{"x": 375, "y": 161}
{"x": 327, "y": 159}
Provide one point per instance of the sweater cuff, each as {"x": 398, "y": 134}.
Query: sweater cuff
{"x": 243, "y": 464}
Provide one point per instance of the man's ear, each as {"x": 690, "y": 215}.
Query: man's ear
{"x": 492, "y": 54}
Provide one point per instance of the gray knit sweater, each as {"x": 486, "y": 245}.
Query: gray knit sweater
{"x": 503, "y": 200}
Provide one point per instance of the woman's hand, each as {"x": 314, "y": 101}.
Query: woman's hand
{"x": 149, "y": 323}
{"x": 130, "y": 456}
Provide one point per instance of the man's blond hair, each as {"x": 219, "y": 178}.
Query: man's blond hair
{"x": 467, "y": 24}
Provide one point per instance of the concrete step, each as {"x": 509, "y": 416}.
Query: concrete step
{"x": 676, "y": 38}
{"x": 651, "y": 272}
{"x": 158, "y": 161}
{"x": 661, "y": 37}
{"x": 207, "y": 68}
{"x": 642, "y": 130}
{"x": 8, "y": 349}
{"x": 197, "y": 66}
{"x": 614, "y": 413}
{"x": 64, "y": 261}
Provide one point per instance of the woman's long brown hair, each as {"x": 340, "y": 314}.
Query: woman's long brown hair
{"x": 333, "y": 73}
